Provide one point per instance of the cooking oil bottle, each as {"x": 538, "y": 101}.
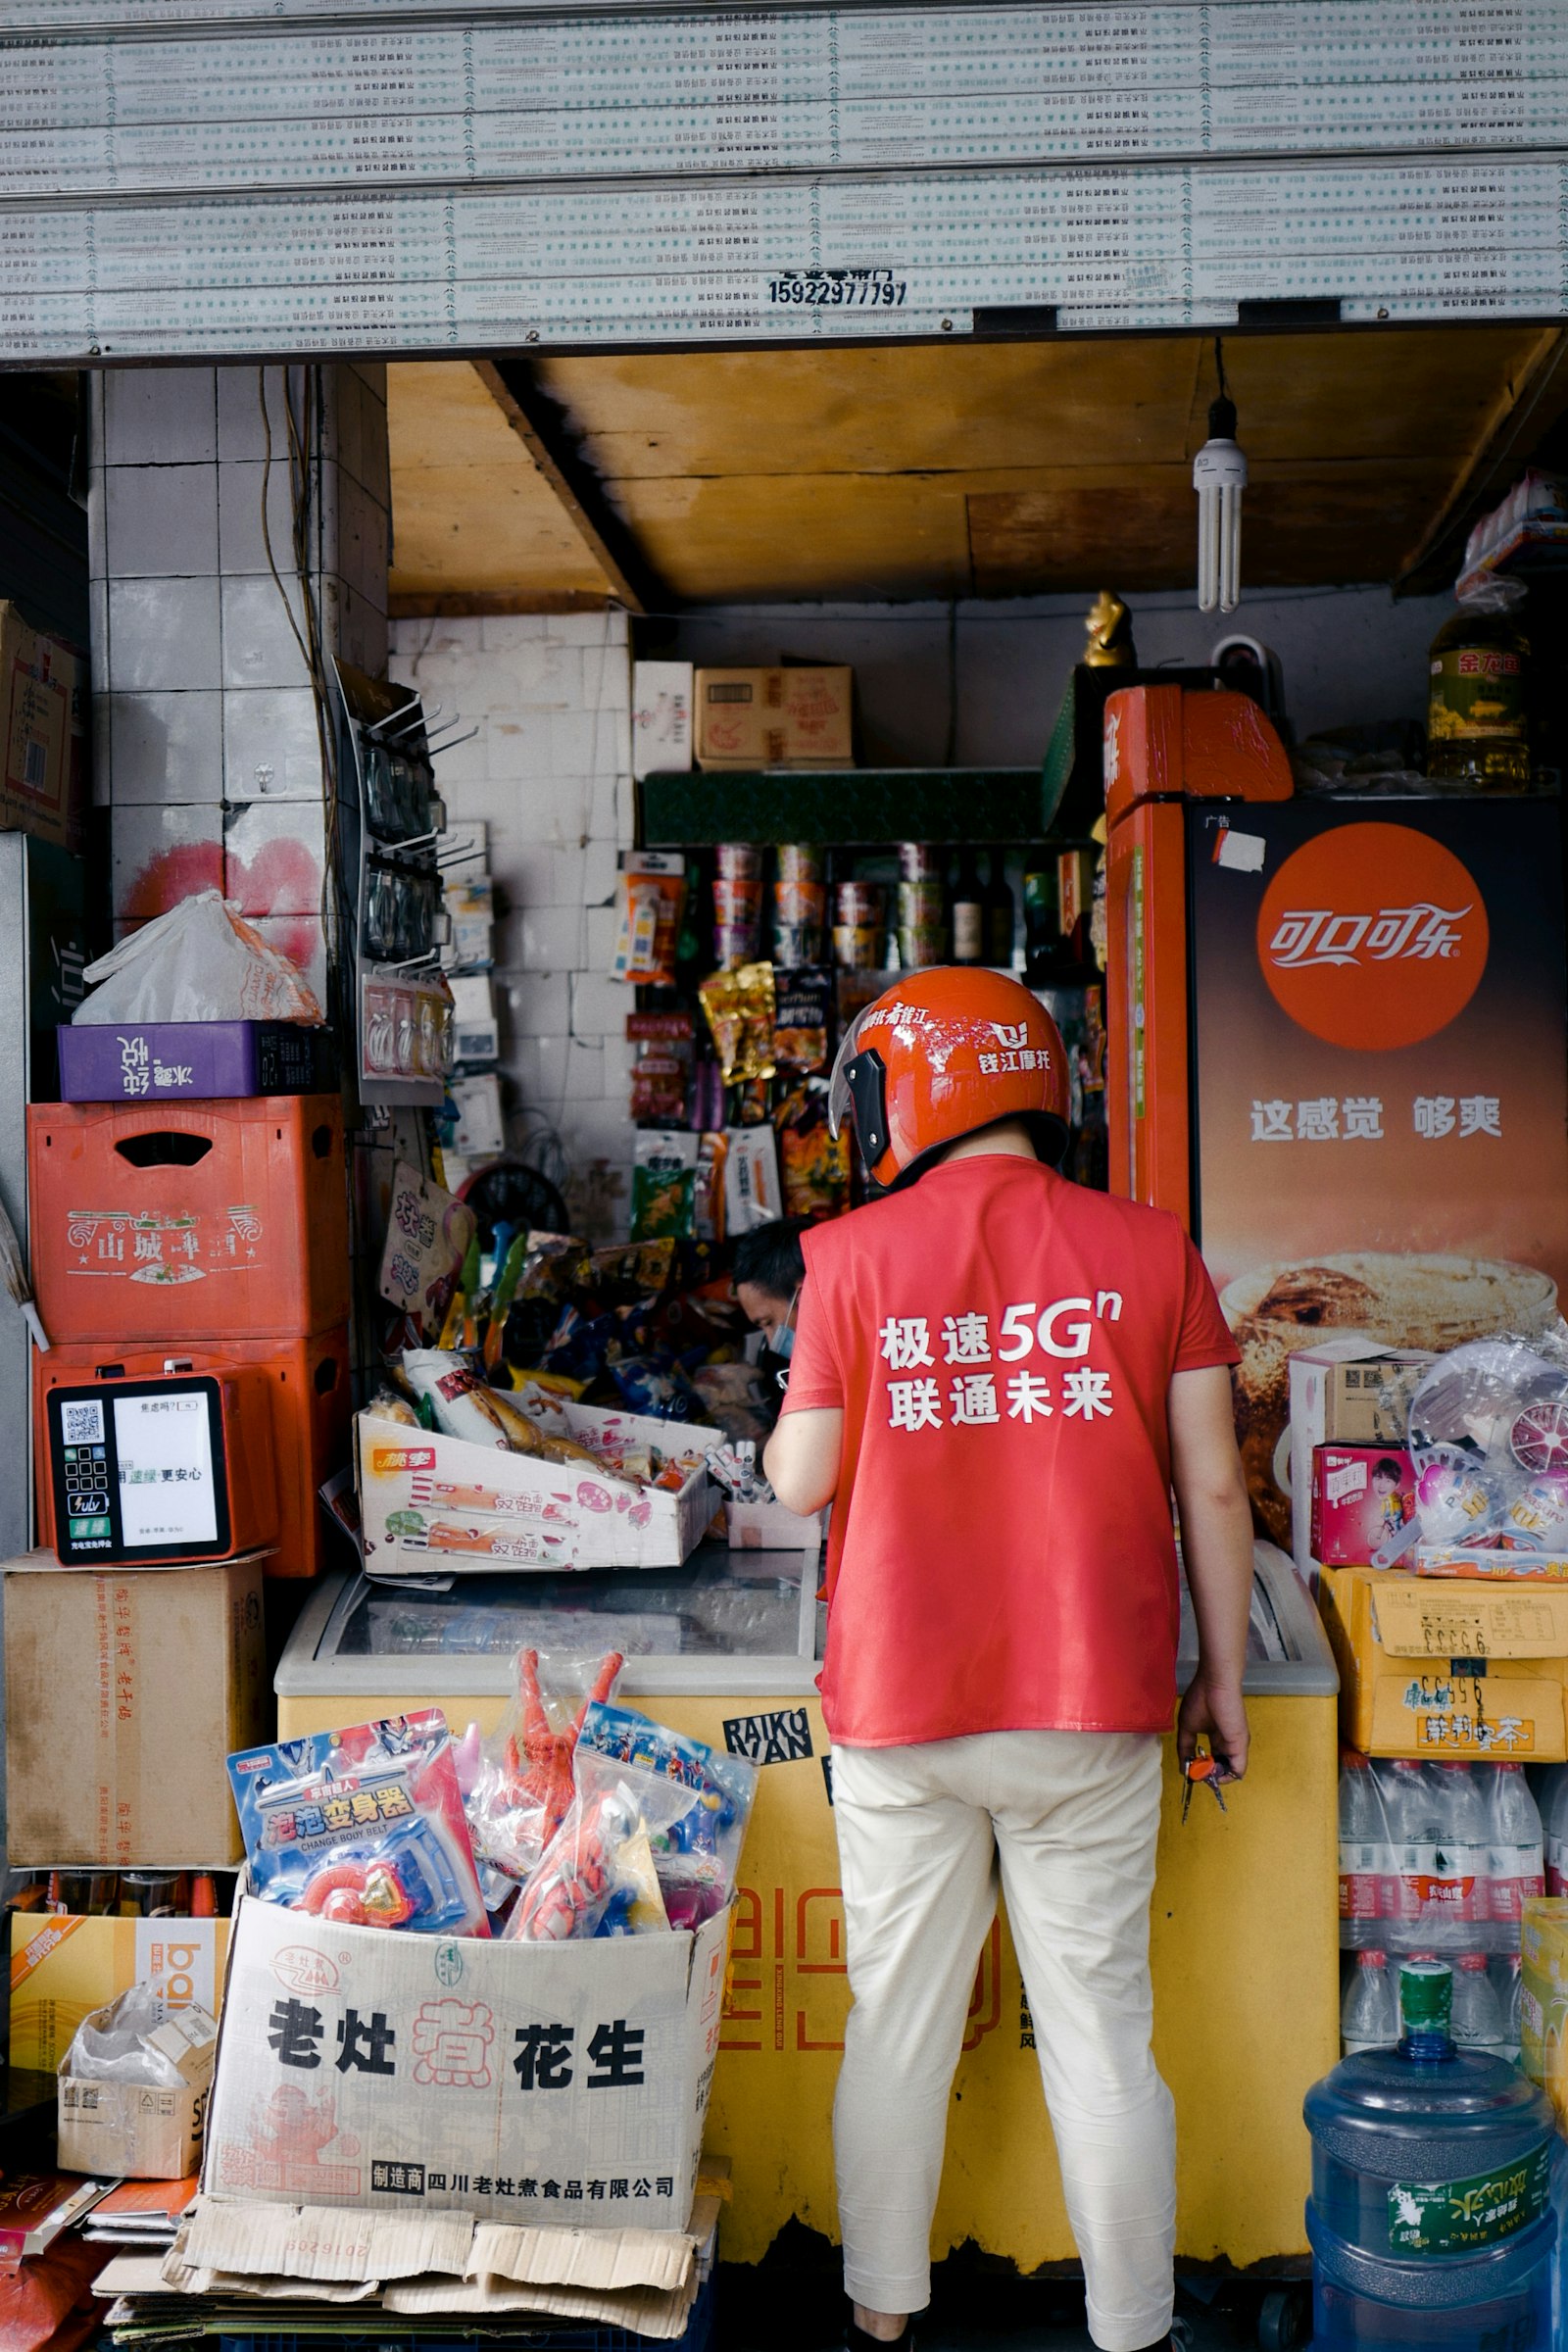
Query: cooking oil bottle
{"x": 1477, "y": 719}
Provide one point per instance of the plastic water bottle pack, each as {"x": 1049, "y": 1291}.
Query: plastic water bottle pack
{"x": 1438, "y": 1857}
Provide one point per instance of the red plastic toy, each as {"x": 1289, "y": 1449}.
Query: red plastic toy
{"x": 544, "y": 1782}
{"x": 359, "y": 1894}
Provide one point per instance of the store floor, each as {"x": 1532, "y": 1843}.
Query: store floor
{"x": 793, "y": 2302}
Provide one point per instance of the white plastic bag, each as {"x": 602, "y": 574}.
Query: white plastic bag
{"x": 201, "y": 961}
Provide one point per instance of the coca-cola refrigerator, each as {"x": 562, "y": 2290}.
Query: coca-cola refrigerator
{"x": 1338, "y": 1045}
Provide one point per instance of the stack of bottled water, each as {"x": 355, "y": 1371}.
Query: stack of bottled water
{"x": 1438, "y": 1859}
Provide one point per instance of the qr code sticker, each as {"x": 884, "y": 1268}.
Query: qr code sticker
{"x": 82, "y": 1424}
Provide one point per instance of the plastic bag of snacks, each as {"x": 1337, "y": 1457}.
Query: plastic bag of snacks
{"x": 661, "y": 1074}
{"x": 814, "y": 1162}
{"x": 364, "y": 1827}
{"x": 663, "y": 1184}
{"x": 466, "y": 1408}
{"x": 739, "y": 1007}
{"x": 1488, "y": 1437}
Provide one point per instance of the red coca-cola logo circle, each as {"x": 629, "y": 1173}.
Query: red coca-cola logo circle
{"x": 1373, "y": 936}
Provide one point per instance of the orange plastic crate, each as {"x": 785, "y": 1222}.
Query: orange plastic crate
{"x": 173, "y": 1223}
{"x": 310, "y": 1417}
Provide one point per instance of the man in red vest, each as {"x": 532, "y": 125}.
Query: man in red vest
{"x": 997, "y": 1379}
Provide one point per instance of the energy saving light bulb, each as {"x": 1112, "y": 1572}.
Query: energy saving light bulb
{"x": 1219, "y": 476}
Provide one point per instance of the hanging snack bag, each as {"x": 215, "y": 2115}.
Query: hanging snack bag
{"x": 661, "y": 1076}
{"x": 739, "y": 1007}
{"x": 364, "y": 1826}
{"x": 814, "y": 1162}
{"x": 804, "y": 1010}
{"x": 663, "y": 1185}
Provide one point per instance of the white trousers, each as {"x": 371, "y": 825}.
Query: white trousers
{"x": 1069, "y": 1820}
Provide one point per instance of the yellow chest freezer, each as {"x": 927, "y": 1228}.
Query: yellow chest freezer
{"x": 1246, "y": 1932}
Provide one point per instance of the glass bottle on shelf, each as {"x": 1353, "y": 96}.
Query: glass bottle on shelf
{"x": 967, "y": 913}
{"x": 1000, "y": 914}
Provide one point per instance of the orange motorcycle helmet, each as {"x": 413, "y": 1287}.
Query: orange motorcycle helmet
{"x": 947, "y": 1052}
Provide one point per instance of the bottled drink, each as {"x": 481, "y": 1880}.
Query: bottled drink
{"x": 1516, "y": 1865}
{"x": 1370, "y": 2016}
{"x": 1477, "y": 2021}
{"x": 1365, "y": 1867}
{"x": 968, "y": 914}
{"x": 1438, "y": 1824}
{"x": 1511, "y": 2004}
{"x": 1554, "y": 1820}
{"x": 999, "y": 919}
{"x": 1477, "y": 724}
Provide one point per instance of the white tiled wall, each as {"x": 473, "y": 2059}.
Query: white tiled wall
{"x": 206, "y": 748}
{"x": 549, "y": 771}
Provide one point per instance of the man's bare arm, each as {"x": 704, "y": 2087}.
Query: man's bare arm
{"x": 1217, "y": 1549}
{"x": 802, "y": 1457}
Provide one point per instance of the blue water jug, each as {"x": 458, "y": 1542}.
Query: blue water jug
{"x": 1429, "y": 2220}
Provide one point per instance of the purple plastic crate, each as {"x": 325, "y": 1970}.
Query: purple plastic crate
{"x": 189, "y": 1062}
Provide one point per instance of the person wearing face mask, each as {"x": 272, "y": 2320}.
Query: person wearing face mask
{"x": 769, "y": 1269}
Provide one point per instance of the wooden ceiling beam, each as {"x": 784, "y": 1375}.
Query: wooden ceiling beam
{"x": 1533, "y": 401}
{"x": 540, "y": 425}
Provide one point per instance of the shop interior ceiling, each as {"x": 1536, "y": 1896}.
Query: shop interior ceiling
{"x": 987, "y": 470}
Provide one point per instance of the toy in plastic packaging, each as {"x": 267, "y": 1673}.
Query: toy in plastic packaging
{"x": 803, "y": 1011}
{"x": 663, "y": 1184}
{"x": 697, "y": 1853}
{"x": 522, "y": 1786}
{"x": 364, "y": 1827}
{"x": 650, "y": 900}
{"x": 1488, "y": 1436}
{"x": 595, "y": 1868}
{"x": 201, "y": 961}
{"x": 739, "y": 1007}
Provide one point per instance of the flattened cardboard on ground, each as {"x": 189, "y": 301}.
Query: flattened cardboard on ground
{"x": 125, "y": 1688}
{"x": 421, "y": 2073}
{"x": 142, "y": 2131}
{"x": 324, "y": 2243}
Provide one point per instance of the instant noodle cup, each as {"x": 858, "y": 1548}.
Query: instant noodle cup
{"x": 737, "y": 901}
{"x": 857, "y": 947}
{"x": 858, "y": 902}
{"x": 739, "y": 861}
{"x": 919, "y": 861}
{"x": 800, "y": 862}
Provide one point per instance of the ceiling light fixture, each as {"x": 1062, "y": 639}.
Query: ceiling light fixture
{"x": 1219, "y": 476}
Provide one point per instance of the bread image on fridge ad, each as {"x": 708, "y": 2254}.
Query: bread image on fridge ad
{"x": 1379, "y": 1058}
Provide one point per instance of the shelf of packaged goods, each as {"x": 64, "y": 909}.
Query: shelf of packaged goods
{"x": 861, "y": 807}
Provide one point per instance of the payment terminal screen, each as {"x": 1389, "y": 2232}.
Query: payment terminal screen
{"x": 168, "y": 1493}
